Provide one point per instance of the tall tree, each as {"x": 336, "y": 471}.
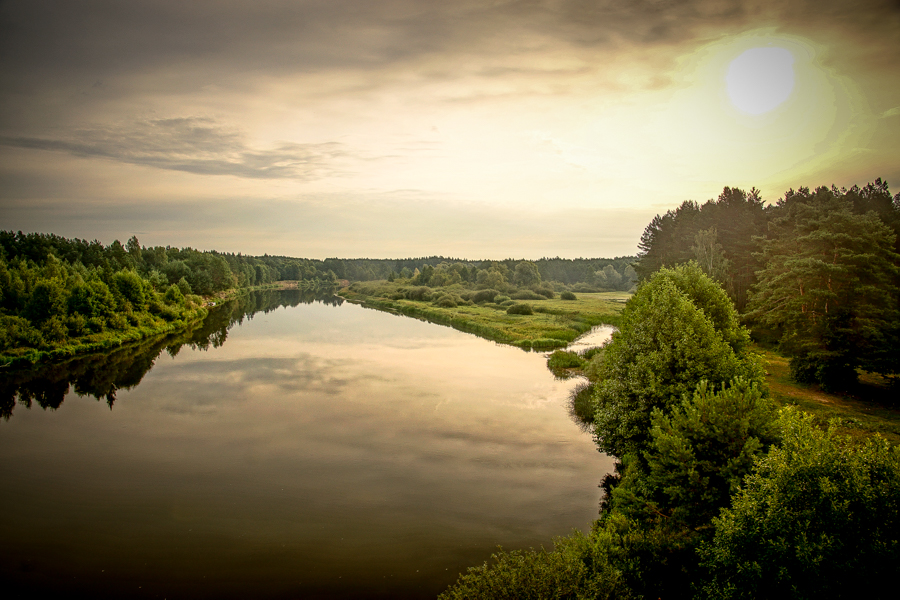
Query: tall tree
{"x": 829, "y": 284}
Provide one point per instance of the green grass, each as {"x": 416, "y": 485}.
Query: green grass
{"x": 554, "y": 324}
{"x": 869, "y": 409}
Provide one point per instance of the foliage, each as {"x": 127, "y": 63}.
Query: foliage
{"x": 560, "y": 360}
{"x": 578, "y": 567}
{"x": 567, "y": 295}
{"x": 818, "y": 518}
{"x": 581, "y": 404}
{"x": 684, "y": 234}
{"x": 520, "y": 309}
{"x": 829, "y": 284}
{"x": 678, "y": 329}
{"x": 527, "y": 274}
{"x": 698, "y": 455}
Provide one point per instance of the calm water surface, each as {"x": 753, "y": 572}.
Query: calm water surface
{"x": 321, "y": 451}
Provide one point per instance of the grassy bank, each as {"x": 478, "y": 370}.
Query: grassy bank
{"x": 553, "y": 324}
{"x": 870, "y": 408}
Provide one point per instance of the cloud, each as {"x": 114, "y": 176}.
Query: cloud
{"x": 194, "y": 145}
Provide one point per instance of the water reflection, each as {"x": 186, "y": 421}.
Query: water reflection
{"x": 101, "y": 375}
{"x": 321, "y": 453}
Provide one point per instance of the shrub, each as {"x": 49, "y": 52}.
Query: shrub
{"x": 446, "y": 302}
{"x": 526, "y": 295}
{"x": 581, "y": 403}
{"x": 54, "y": 330}
{"x": 484, "y": 296}
{"x": 564, "y": 359}
{"x": 567, "y": 295}
{"x": 520, "y": 309}
{"x": 501, "y": 299}
{"x": 420, "y": 293}
{"x": 818, "y": 518}
{"x": 591, "y": 352}
{"x": 173, "y": 295}
{"x": 546, "y": 292}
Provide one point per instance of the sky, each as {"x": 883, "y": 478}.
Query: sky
{"x": 403, "y": 128}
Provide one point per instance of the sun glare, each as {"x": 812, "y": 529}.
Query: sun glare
{"x": 760, "y": 79}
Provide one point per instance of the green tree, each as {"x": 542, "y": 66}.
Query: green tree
{"x": 678, "y": 329}
{"x": 829, "y": 284}
{"x": 698, "y": 455}
{"x": 48, "y": 298}
{"x": 709, "y": 255}
{"x": 527, "y": 274}
{"x": 818, "y": 518}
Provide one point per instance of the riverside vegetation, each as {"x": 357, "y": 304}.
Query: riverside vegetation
{"x": 724, "y": 487}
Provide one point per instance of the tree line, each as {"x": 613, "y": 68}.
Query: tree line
{"x": 60, "y": 296}
{"x": 817, "y": 272}
{"x": 579, "y": 274}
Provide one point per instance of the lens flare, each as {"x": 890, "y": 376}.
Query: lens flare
{"x": 760, "y": 79}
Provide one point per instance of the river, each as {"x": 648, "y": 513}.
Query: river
{"x": 290, "y": 449}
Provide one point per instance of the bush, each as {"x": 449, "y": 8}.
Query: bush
{"x": 581, "y": 404}
{"x": 501, "y": 299}
{"x": 564, "y": 359}
{"x": 567, "y": 295}
{"x": 546, "y": 292}
{"x": 520, "y": 309}
{"x": 484, "y": 296}
{"x": 421, "y": 293}
{"x": 446, "y": 302}
{"x": 579, "y": 566}
{"x": 818, "y": 518}
{"x": 526, "y": 295}
{"x": 173, "y": 295}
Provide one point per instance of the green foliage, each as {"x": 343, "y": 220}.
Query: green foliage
{"x": 678, "y": 329}
{"x": 581, "y": 404}
{"x": 527, "y": 274}
{"x": 736, "y": 216}
{"x": 520, "y": 309}
{"x": 173, "y": 295}
{"x": 698, "y": 455}
{"x": 560, "y": 360}
{"x": 47, "y": 300}
{"x": 818, "y": 518}
{"x": 420, "y": 293}
{"x": 830, "y": 286}
{"x": 130, "y": 287}
{"x": 484, "y": 296}
{"x": 526, "y": 295}
{"x": 578, "y": 567}
{"x": 567, "y": 295}
{"x": 501, "y": 299}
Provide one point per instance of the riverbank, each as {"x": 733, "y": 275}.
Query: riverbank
{"x": 147, "y": 327}
{"x": 554, "y": 323}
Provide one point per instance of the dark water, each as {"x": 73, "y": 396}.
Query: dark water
{"x": 313, "y": 450}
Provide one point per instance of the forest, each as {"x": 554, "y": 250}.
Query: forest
{"x": 719, "y": 491}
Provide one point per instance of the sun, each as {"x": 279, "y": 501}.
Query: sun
{"x": 760, "y": 79}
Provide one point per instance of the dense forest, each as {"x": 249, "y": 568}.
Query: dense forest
{"x": 718, "y": 492}
{"x": 817, "y": 272}
{"x": 60, "y": 296}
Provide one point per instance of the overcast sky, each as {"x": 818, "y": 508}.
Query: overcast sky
{"x": 395, "y": 128}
